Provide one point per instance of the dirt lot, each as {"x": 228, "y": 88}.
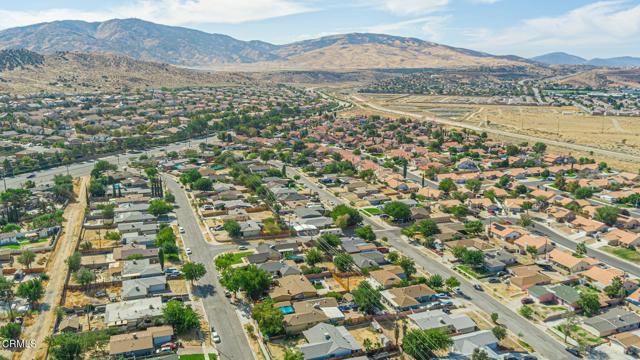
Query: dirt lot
{"x": 567, "y": 123}
{"x": 76, "y": 298}
{"x": 97, "y": 240}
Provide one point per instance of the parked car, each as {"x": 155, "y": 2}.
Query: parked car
{"x": 188, "y": 251}
{"x": 31, "y": 176}
{"x": 573, "y": 351}
{"x": 526, "y": 300}
{"x": 478, "y": 287}
{"x": 227, "y": 294}
{"x": 181, "y": 230}
{"x": 170, "y": 345}
{"x": 163, "y": 350}
{"x": 218, "y": 227}
{"x": 101, "y": 293}
{"x": 494, "y": 280}
{"x": 242, "y": 247}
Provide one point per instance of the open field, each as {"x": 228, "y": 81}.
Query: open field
{"x": 566, "y": 124}
{"x": 624, "y": 253}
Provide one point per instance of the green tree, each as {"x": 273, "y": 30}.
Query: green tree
{"x": 423, "y": 344}
{"x": 366, "y": 233}
{"x": 589, "y": 303}
{"x": 159, "y": 207}
{"x": 435, "y": 281}
{"x": 583, "y": 192}
{"x": 31, "y": 290}
{"x": 313, "y": 257}
{"x": 10, "y": 331}
{"x": 408, "y": 266}
{"x": 182, "y": 317}
{"x": 27, "y": 258}
{"x": 581, "y": 249}
{"x": 343, "y": 261}
{"x": 67, "y": 348}
{"x": 452, "y": 282}
{"x": 84, "y": 277}
{"x": 494, "y": 317}
{"x": 499, "y": 332}
{"x": 353, "y": 215}
{"x": 607, "y": 214}
{"x": 232, "y": 228}
{"x": 615, "y": 289}
{"x": 526, "y": 311}
{"x": 270, "y": 320}
{"x": 479, "y": 354}
{"x": 531, "y": 250}
{"x": 539, "y": 147}
{"x": 151, "y": 172}
{"x": 427, "y": 227}
{"x": 202, "y": 184}
{"x": 193, "y": 271}
{"x": 293, "y": 354}
{"x": 73, "y": 261}
{"x": 397, "y": 210}
{"x": 525, "y": 220}
{"x": 253, "y": 281}
{"x": 367, "y": 298}
{"x": 473, "y": 227}
{"x": 447, "y": 186}
{"x": 473, "y": 185}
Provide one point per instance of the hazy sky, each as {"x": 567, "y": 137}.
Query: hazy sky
{"x": 520, "y": 27}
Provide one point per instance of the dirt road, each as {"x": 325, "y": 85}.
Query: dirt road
{"x": 57, "y": 271}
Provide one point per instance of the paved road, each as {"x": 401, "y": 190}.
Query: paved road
{"x": 585, "y": 148}
{"x": 541, "y": 341}
{"x": 600, "y": 255}
{"x": 220, "y": 312}
{"x": 84, "y": 168}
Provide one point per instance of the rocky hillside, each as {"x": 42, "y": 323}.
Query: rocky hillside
{"x": 147, "y": 41}
{"x": 80, "y": 72}
{"x": 19, "y": 58}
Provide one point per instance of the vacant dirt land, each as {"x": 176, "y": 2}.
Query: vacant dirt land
{"x": 567, "y": 123}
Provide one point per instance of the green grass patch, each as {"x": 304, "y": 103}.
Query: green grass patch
{"x": 623, "y": 253}
{"x": 524, "y": 344}
{"x": 22, "y": 243}
{"x": 199, "y": 357}
{"x": 225, "y": 260}
{"x": 373, "y": 211}
{"x": 476, "y": 274}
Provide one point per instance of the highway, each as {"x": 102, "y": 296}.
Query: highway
{"x": 534, "y": 336}
{"x": 220, "y": 312}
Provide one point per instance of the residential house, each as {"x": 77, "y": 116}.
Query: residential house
{"x": 614, "y": 321}
{"x": 566, "y": 261}
{"x": 328, "y": 341}
{"x": 437, "y": 319}
{"x": 293, "y": 287}
{"x": 406, "y": 298}
{"x": 542, "y": 244}
{"x": 143, "y": 287}
{"x": 140, "y": 343}
{"x": 132, "y": 313}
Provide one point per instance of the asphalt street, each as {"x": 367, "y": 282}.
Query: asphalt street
{"x": 220, "y": 312}
{"x": 534, "y": 336}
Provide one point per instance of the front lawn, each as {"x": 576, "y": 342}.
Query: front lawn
{"x": 476, "y": 274}
{"x": 623, "y": 253}
{"x": 198, "y": 357}
{"x": 373, "y": 211}
{"x": 225, "y": 260}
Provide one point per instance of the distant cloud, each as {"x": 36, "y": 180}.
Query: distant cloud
{"x": 409, "y": 7}
{"x": 171, "y": 12}
{"x": 600, "y": 24}
{"x": 427, "y": 27}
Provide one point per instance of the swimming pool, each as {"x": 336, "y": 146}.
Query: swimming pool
{"x": 295, "y": 257}
{"x": 287, "y": 310}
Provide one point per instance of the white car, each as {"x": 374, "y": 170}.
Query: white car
{"x": 188, "y": 251}
{"x": 242, "y": 247}
{"x": 215, "y": 337}
{"x": 181, "y": 230}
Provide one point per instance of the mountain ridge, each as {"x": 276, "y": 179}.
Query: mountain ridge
{"x": 143, "y": 40}
{"x": 563, "y": 58}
